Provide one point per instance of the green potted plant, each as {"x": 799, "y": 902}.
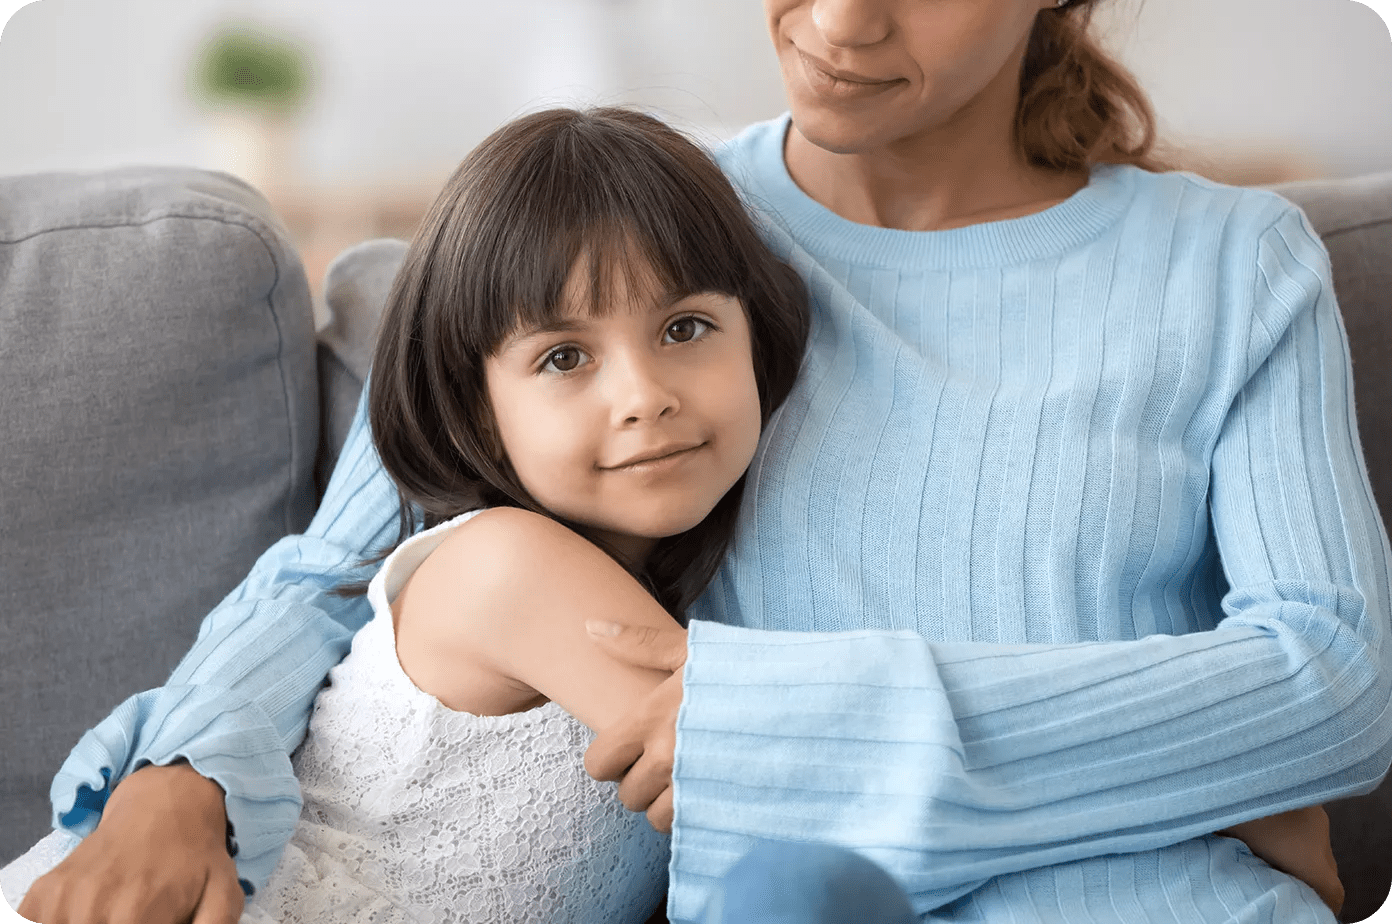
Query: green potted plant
{"x": 253, "y": 82}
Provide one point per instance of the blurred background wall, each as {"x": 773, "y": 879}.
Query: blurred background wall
{"x": 1250, "y": 90}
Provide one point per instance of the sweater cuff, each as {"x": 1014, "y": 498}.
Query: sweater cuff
{"x": 226, "y": 738}
{"x": 840, "y": 738}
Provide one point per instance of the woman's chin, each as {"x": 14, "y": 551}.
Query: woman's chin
{"x": 833, "y": 131}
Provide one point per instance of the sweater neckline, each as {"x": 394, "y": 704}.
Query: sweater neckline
{"x": 1079, "y": 218}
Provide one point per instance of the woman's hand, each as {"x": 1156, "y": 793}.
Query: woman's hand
{"x": 639, "y": 749}
{"x": 1297, "y": 844}
{"x": 158, "y": 856}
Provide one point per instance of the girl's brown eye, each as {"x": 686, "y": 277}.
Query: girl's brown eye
{"x": 685, "y": 329}
{"x": 564, "y": 359}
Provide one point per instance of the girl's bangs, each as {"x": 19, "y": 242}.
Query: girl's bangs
{"x": 618, "y": 214}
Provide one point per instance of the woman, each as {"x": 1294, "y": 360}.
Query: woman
{"x": 1061, "y": 417}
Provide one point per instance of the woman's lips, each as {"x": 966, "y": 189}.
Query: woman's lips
{"x": 837, "y": 84}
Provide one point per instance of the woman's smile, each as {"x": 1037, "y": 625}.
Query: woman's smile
{"x": 835, "y": 84}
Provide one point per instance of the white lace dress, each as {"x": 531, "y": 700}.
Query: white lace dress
{"x": 416, "y": 813}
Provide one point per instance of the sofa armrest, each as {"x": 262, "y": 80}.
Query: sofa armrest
{"x": 158, "y": 432}
{"x": 356, "y": 286}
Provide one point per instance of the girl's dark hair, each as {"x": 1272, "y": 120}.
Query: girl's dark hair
{"x": 1079, "y": 107}
{"x": 548, "y": 192}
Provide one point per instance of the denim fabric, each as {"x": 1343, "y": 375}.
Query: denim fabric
{"x": 784, "y": 882}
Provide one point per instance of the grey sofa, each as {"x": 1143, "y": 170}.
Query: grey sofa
{"x": 167, "y": 411}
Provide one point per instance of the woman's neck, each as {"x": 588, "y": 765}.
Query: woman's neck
{"x": 927, "y": 184}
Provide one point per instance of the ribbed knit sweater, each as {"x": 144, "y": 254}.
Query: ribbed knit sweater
{"x": 1061, "y": 547}
{"x": 1060, "y": 555}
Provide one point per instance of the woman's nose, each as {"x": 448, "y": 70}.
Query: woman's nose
{"x": 851, "y": 23}
{"x": 638, "y": 391}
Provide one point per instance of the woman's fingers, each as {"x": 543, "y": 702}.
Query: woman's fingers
{"x": 222, "y": 898}
{"x": 35, "y": 906}
{"x": 73, "y": 891}
{"x": 647, "y": 780}
{"x": 613, "y": 751}
{"x": 116, "y": 883}
{"x": 660, "y": 813}
{"x": 639, "y": 750}
{"x": 642, "y": 646}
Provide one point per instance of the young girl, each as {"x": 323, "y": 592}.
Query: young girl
{"x": 585, "y": 341}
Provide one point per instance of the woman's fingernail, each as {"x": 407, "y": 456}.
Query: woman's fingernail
{"x": 600, "y": 627}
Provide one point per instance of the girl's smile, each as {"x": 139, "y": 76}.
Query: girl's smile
{"x": 631, "y": 418}
{"x": 661, "y": 459}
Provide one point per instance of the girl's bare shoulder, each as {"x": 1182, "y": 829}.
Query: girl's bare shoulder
{"x": 468, "y": 605}
{"x": 509, "y": 550}
{"x": 513, "y": 571}
{"x": 505, "y": 570}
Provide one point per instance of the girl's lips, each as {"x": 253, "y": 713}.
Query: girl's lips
{"x": 660, "y": 463}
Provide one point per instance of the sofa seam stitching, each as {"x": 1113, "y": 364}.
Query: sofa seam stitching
{"x": 259, "y": 229}
{"x": 149, "y": 217}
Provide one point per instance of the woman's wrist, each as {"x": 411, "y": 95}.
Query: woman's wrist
{"x": 176, "y": 789}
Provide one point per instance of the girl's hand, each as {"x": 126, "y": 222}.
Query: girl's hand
{"x": 639, "y": 749}
{"x": 1297, "y": 844}
{"x": 158, "y": 856}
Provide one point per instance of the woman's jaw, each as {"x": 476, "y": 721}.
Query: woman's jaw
{"x": 866, "y": 76}
{"x": 904, "y": 113}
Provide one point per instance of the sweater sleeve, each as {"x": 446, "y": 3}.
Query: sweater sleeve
{"x": 952, "y": 763}
{"x": 239, "y": 701}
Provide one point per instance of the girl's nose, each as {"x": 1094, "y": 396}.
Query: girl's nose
{"x": 851, "y": 23}
{"x": 638, "y": 392}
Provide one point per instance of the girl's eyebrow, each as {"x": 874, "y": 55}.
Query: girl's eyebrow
{"x": 560, "y": 325}
{"x": 555, "y": 326}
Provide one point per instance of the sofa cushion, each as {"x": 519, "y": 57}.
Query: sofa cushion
{"x": 356, "y": 286}
{"x": 158, "y": 432}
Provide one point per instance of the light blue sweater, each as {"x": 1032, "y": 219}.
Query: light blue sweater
{"x": 974, "y": 604}
{"x": 1062, "y": 547}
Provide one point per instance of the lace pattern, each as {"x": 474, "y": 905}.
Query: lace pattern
{"x": 416, "y": 813}
{"x": 48, "y": 852}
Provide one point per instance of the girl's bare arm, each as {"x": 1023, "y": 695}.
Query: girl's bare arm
{"x": 494, "y": 621}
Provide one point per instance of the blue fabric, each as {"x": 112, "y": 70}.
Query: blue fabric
{"x": 1060, "y": 556}
{"x": 786, "y": 882}
{"x": 1061, "y": 548}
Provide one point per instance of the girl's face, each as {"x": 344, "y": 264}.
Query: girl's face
{"x": 861, "y": 75}
{"x": 634, "y": 423}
